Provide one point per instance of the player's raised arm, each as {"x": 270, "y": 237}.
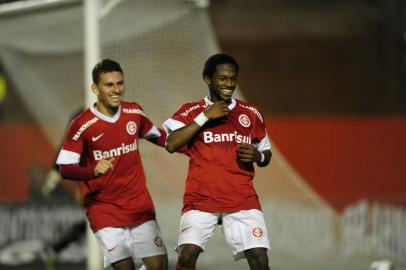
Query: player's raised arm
{"x": 179, "y": 137}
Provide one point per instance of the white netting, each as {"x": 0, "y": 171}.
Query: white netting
{"x": 162, "y": 46}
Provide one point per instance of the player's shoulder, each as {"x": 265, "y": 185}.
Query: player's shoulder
{"x": 250, "y": 108}
{"x": 130, "y": 105}
{"x": 190, "y": 107}
{"x": 83, "y": 117}
{"x": 82, "y": 122}
{"x": 244, "y": 104}
{"x": 131, "y": 108}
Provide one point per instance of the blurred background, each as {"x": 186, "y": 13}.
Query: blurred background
{"x": 328, "y": 75}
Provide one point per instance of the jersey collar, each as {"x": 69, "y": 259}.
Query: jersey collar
{"x": 104, "y": 117}
{"x": 230, "y": 106}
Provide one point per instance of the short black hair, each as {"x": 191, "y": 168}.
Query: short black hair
{"x": 218, "y": 59}
{"x": 105, "y": 65}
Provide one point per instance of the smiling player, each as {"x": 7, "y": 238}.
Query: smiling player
{"x": 101, "y": 150}
{"x": 225, "y": 137}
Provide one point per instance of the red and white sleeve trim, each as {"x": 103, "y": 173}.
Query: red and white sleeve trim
{"x": 67, "y": 157}
{"x": 172, "y": 125}
{"x": 264, "y": 144}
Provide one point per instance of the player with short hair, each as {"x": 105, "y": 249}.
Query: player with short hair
{"x": 101, "y": 151}
{"x": 225, "y": 136}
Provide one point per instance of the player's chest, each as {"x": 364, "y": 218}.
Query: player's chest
{"x": 236, "y": 122}
{"x": 233, "y": 129}
{"x": 105, "y": 135}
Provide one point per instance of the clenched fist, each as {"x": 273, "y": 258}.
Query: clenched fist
{"x": 217, "y": 110}
{"x": 248, "y": 153}
{"x": 103, "y": 166}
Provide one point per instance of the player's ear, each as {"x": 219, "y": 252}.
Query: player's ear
{"x": 95, "y": 90}
{"x": 207, "y": 80}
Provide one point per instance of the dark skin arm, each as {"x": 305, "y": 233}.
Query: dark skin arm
{"x": 248, "y": 153}
{"x": 182, "y": 136}
{"x": 245, "y": 152}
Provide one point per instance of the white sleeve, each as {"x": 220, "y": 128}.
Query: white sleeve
{"x": 152, "y": 133}
{"x": 264, "y": 144}
{"x": 172, "y": 125}
{"x": 66, "y": 157}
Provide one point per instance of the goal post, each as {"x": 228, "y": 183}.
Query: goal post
{"x": 91, "y": 55}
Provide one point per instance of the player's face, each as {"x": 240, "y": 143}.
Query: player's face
{"x": 223, "y": 82}
{"x": 109, "y": 91}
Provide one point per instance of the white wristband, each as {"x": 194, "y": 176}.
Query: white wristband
{"x": 201, "y": 119}
{"x": 262, "y": 157}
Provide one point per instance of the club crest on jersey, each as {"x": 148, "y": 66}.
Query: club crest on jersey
{"x": 131, "y": 127}
{"x": 251, "y": 108}
{"x": 158, "y": 241}
{"x": 257, "y": 232}
{"x": 244, "y": 120}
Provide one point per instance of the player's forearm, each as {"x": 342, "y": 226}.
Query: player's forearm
{"x": 180, "y": 137}
{"x": 161, "y": 140}
{"x": 76, "y": 172}
{"x": 265, "y": 158}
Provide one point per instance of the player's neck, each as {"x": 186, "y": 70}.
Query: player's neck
{"x": 108, "y": 111}
{"x": 214, "y": 98}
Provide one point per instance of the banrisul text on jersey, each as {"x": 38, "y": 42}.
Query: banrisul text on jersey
{"x": 210, "y": 137}
{"x": 123, "y": 149}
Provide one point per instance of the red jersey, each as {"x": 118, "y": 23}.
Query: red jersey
{"x": 119, "y": 197}
{"x": 217, "y": 181}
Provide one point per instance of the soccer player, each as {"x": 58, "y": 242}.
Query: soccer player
{"x": 101, "y": 151}
{"x": 51, "y": 250}
{"x": 225, "y": 137}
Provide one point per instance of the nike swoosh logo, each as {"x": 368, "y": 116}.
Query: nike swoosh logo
{"x": 97, "y": 137}
{"x": 185, "y": 229}
{"x": 111, "y": 249}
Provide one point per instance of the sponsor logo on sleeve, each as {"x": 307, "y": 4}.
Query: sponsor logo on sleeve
{"x": 133, "y": 111}
{"x": 84, "y": 127}
{"x": 188, "y": 110}
{"x": 254, "y": 110}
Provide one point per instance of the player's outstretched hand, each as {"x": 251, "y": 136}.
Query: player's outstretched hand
{"x": 248, "y": 153}
{"x": 217, "y": 110}
{"x": 103, "y": 166}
